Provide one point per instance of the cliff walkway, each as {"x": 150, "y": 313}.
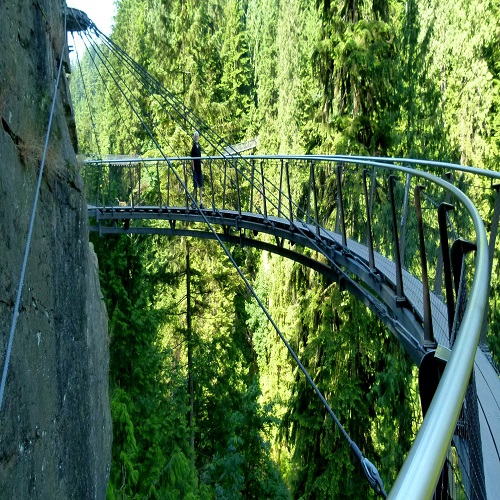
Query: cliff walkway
{"x": 404, "y": 236}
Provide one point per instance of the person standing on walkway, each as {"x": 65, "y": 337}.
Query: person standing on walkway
{"x": 196, "y": 164}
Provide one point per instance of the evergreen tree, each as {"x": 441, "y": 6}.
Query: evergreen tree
{"x": 357, "y": 65}
{"x": 416, "y": 78}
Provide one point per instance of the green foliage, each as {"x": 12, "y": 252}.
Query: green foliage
{"x": 148, "y": 406}
{"x": 338, "y": 341}
{"x": 357, "y": 63}
{"x": 416, "y": 78}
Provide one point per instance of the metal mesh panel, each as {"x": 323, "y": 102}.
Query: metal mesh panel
{"x": 463, "y": 472}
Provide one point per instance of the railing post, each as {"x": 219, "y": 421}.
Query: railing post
{"x": 263, "y": 188}
{"x": 100, "y": 190}
{"x": 308, "y": 209}
{"x": 168, "y": 185}
{"x": 340, "y": 204}
{"x": 252, "y": 174}
{"x": 397, "y": 255}
{"x": 237, "y": 187}
{"x": 139, "y": 169}
{"x": 438, "y": 279}
{"x": 373, "y": 183}
{"x": 224, "y": 186}
{"x": 287, "y": 171}
{"x": 281, "y": 187}
{"x": 159, "y": 185}
{"x": 491, "y": 253}
{"x": 459, "y": 250}
{"x": 429, "y": 341}
{"x": 130, "y": 167}
{"x": 211, "y": 183}
{"x": 404, "y": 217}
{"x": 184, "y": 163}
{"x": 315, "y": 195}
{"x": 369, "y": 237}
{"x": 110, "y": 197}
{"x": 445, "y": 251}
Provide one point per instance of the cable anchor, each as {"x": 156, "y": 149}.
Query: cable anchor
{"x": 371, "y": 472}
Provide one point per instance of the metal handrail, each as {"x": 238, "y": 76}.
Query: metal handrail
{"x": 421, "y": 470}
{"x": 374, "y": 161}
{"x": 419, "y": 475}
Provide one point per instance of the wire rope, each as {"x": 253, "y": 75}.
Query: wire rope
{"x": 369, "y": 469}
{"x": 92, "y": 122}
{"x": 157, "y": 86}
{"x": 93, "y": 51}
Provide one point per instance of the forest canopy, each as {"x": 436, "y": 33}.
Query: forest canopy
{"x": 206, "y": 402}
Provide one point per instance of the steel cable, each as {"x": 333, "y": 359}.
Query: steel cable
{"x": 368, "y": 468}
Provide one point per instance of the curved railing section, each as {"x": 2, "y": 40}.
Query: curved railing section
{"x": 409, "y": 244}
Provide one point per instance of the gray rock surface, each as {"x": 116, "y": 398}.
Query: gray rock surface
{"x": 55, "y": 425}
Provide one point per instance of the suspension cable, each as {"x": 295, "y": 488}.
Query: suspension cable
{"x": 92, "y": 122}
{"x": 93, "y": 51}
{"x": 152, "y": 84}
{"x": 107, "y": 64}
{"x": 30, "y": 231}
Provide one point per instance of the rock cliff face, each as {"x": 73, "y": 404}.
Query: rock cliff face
{"x": 55, "y": 426}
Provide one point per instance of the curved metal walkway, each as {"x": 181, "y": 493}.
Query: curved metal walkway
{"x": 251, "y": 210}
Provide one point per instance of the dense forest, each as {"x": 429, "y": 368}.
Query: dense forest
{"x": 206, "y": 402}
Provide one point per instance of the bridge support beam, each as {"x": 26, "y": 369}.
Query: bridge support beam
{"x": 369, "y": 237}
{"x": 400, "y": 296}
{"x": 429, "y": 341}
{"x": 445, "y": 252}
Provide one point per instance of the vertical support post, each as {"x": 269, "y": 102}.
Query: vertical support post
{"x": 315, "y": 195}
{"x": 491, "y": 253}
{"x": 252, "y": 175}
{"x": 159, "y": 185}
{"x": 404, "y": 217}
{"x": 340, "y": 204}
{"x": 263, "y": 188}
{"x": 429, "y": 341}
{"x": 211, "y": 183}
{"x": 237, "y": 186}
{"x": 397, "y": 254}
{"x": 184, "y": 163}
{"x": 459, "y": 250}
{"x": 308, "y": 210}
{"x": 168, "y": 185}
{"x": 445, "y": 251}
{"x": 224, "y": 186}
{"x": 369, "y": 237}
{"x": 139, "y": 169}
{"x": 100, "y": 191}
{"x": 373, "y": 183}
{"x": 281, "y": 187}
{"x": 131, "y": 184}
{"x": 110, "y": 198}
{"x": 287, "y": 171}
{"x": 438, "y": 279}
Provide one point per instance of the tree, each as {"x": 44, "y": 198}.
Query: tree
{"x": 357, "y": 65}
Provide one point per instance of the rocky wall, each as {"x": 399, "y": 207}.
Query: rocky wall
{"x": 55, "y": 425}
